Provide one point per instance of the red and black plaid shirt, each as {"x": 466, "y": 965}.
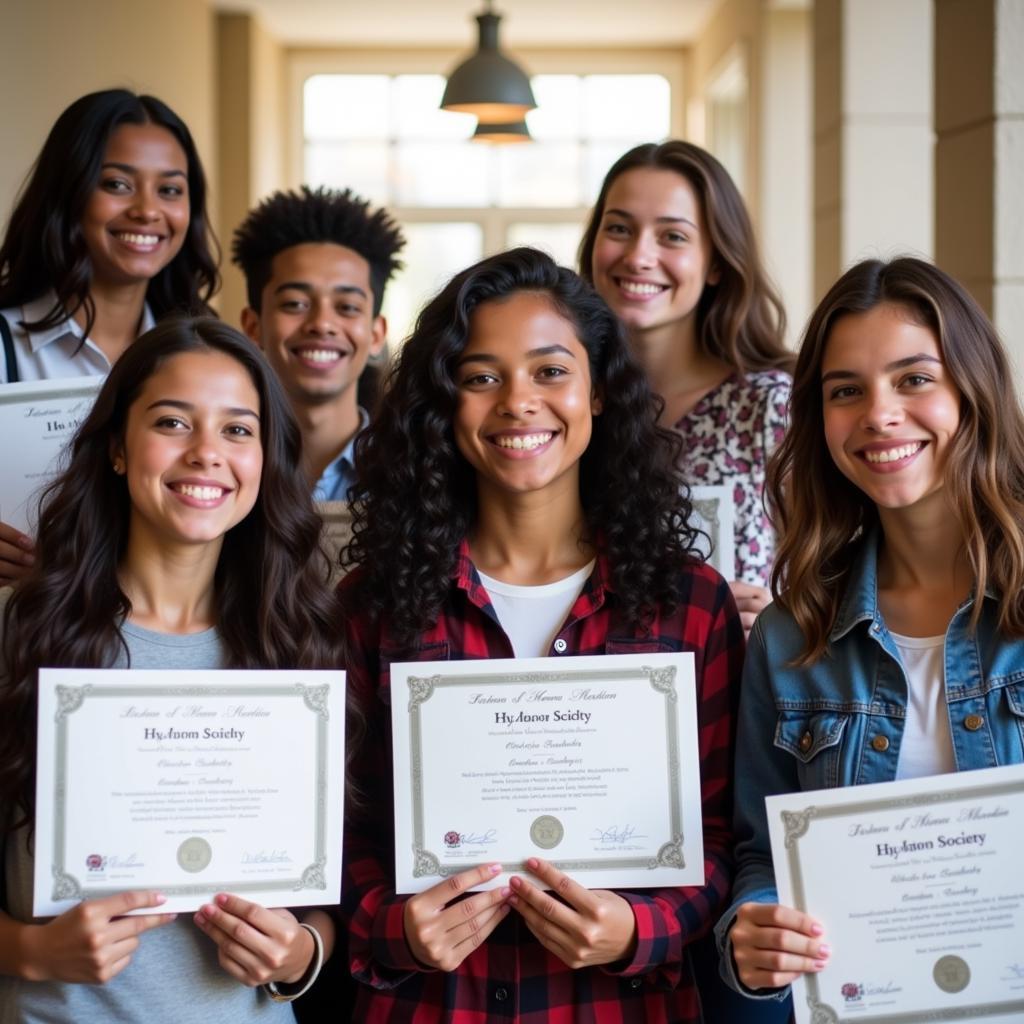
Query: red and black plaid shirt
{"x": 511, "y": 976}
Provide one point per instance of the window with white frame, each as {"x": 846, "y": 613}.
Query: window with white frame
{"x": 385, "y": 137}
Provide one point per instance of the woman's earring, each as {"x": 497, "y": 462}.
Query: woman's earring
{"x": 118, "y": 467}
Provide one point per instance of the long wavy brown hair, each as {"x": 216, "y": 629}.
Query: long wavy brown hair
{"x": 740, "y": 318}
{"x": 274, "y": 609}
{"x": 822, "y": 517}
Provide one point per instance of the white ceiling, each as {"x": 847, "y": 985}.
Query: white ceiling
{"x": 402, "y": 23}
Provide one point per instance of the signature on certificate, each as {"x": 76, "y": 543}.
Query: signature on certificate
{"x": 615, "y": 834}
{"x": 478, "y": 839}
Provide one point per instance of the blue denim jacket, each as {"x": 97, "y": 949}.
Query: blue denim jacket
{"x": 839, "y": 722}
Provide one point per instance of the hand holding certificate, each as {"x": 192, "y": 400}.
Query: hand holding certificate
{"x": 927, "y": 921}
{"x": 591, "y": 764}
{"x": 189, "y": 783}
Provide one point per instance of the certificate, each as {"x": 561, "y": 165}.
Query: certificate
{"x": 590, "y": 763}
{"x": 337, "y": 532}
{"x": 919, "y": 889}
{"x": 714, "y": 512}
{"x": 37, "y": 419}
{"x": 190, "y": 783}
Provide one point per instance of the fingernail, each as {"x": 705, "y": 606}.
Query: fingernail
{"x": 505, "y": 891}
{"x": 533, "y": 863}
{"x": 824, "y": 950}
{"x": 207, "y": 910}
{"x": 495, "y": 869}
{"x": 158, "y": 898}
{"x": 816, "y": 929}
{"x": 515, "y": 882}
{"x": 513, "y": 900}
{"x": 221, "y": 898}
{"x": 819, "y": 965}
{"x": 25, "y": 542}
{"x": 199, "y": 919}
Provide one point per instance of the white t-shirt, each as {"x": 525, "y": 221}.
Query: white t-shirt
{"x": 927, "y": 747}
{"x": 532, "y": 616}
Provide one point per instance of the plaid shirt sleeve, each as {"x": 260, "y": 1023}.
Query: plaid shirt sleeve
{"x": 667, "y": 919}
{"x": 378, "y": 952}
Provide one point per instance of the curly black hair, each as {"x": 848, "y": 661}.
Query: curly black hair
{"x": 285, "y": 219}
{"x": 416, "y": 498}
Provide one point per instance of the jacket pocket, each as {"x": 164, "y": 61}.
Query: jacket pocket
{"x": 814, "y": 739}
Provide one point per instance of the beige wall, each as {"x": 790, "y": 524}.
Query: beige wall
{"x": 53, "y": 51}
{"x": 250, "y": 105}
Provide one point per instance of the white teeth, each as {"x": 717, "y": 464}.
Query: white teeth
{"x": 138, "y": 239}
{"x": 640, "y": 288}
{"x": 320, "y": 355}
{"x": 201, "y": 493}
{"x": 523, "y": 441}
{"x": 895, "y": 454}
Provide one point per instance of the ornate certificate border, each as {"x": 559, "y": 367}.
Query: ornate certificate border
{"x": 715, "y": 507}
{"x": 796, "y": 825}
{"x": 427, "y": 864}
{"x": 71, "y": 698}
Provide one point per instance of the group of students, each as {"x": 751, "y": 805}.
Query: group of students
{"x": 518, "y": 492}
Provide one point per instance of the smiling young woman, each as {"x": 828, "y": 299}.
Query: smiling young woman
{"x": 549, "y": 521}
{"x": 899, "y": 493}
{"x": 109, "y": 234}
{"x": 670, "y": 247}
{"x": 181, "y": 535}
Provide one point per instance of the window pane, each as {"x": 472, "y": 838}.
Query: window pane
{"x": 442, "y": 174}
{"x": 558, "y": 113}
{"x": 433, "y": 253}
{"x": 560, "y": 241}
{"x": 362, "y": 167}
{"x": 539, "y": 174}
{"x": 626, "y": 107}
{"x": 346, "y": 106}
{"x": 418, "y": 113}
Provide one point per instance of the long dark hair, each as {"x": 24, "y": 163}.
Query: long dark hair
{"x": 44, "y": 249}
{"x": 822, "y": 516}
{"x": 417, "y": 499}
{"x": 274, "y": 609}
{"x": 740, "y": 318}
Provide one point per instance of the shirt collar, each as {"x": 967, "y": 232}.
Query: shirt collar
{"x": 342, "y": 466}
{"x": 41, "y": 307}
{"x": 599, "y": 583}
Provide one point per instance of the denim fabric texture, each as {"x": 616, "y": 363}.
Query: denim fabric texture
{"x": 839, "y": 721}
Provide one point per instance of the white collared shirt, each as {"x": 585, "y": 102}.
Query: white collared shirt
{"x": 54, "y": 353}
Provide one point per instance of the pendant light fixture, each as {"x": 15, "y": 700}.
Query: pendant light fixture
{"x": 489, "y": 85}
{"x": 516, "y": 131}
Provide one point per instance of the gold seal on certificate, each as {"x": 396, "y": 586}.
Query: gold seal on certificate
{"x": 591, "y": 762}
{"x": 547, "y": 832}
{"x": 195, "y": 854}
{"x": 190, "y": 783}
{"x": 928, "y": 923}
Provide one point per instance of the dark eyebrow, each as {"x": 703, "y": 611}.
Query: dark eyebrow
{"x": 544, "y": 350}
{"x": 305, "y": 286}
{"x": 660, "y": 220}
{"x": 129, "y": 169}
{"x": 897, "y": 364}
{"x": 188, "y": 407}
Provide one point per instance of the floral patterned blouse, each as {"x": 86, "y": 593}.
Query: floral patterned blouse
{"x": 727, "y": 437}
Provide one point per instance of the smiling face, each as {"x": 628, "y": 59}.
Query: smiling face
{"x": 137, "y": 217}
{"x": 191, "y": 451}
{"x": 316, "y": 323}
{"x": 652, "y": 256}
{"x": 890, "y": 407}
{"x": 525, "y": 397}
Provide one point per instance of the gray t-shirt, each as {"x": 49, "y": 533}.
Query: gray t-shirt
{"x": 174, "y": 977}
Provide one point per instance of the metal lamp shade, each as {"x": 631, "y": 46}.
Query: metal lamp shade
{"x": 488, "y": 84}
{"x": 516, "y": 131}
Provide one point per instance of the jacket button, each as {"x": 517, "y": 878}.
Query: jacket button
{"x": 560, "y": 645}
{"x": 635, "y": 982}
{"x": 805, "y": 742}
{"x": 501, "y": 994}
{"x": 973, "y": 722}
{"x": 880, "y": 743}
